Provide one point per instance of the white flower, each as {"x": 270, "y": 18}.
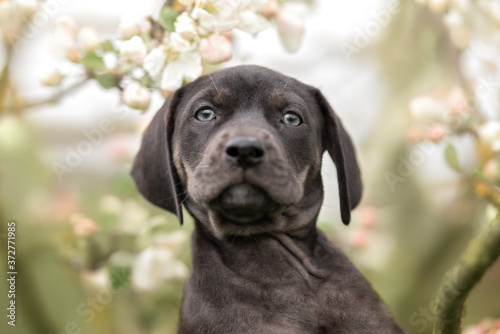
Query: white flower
{"x": 426, "y": 109}
{"x": 489, "y": 133}
{"x": 216, "y": 49}
{"x": 186, "y": 67}
{"x": 134, "y": 50}
{"x": 252, "y": 22}
{"x": 137, "y": 96}
{"x": 185, "y": 26}
{"x": 459, "y": 32}
{"x": 53, "y": 79}
{"x": 155, "y": 61}
{"x": 153, "y": 266}
{"x": 131, "y": 26}
{"x": 291, "y": 24}
{"x": 217, "y": 15}
{"x": 88, "y": 38}
{"x": 180, "y": 44}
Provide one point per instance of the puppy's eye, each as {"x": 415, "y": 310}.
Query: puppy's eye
{"x": 205, "y": 115}
{"x": 292, "y": 119}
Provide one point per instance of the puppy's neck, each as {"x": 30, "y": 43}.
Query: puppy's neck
{"x": 265, "y": 258}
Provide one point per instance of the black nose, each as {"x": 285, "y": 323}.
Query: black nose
{"x": 244, "y": 151}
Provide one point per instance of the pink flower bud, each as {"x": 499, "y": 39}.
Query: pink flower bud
{"x": 491, "y": 170}
{"x": 436, "y": 132}
{"x": 216, "y": 49}
{"x": 359, "y": 238}
{"x": 83, "y": 226}
{"x": 368, "y": 216}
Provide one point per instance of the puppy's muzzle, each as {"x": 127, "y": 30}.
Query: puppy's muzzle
{"x": 246, "y": 152}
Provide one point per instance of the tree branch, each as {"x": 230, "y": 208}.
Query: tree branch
{"x": 53, "y": 99}
{"x": 480, "y": 254}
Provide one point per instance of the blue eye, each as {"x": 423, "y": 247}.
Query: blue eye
{"x": 292, "y": 119}
{"x": 205, "y": 115}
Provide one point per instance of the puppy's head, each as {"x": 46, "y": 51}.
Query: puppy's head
{"x": 242, "y": 148}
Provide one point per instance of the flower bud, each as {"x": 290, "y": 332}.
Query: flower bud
{"x": 131, "y": 26}
{"x": 291, "y": 24}
{"x": 216, "y": 49}
{"x": 136, "y": 96}
{"x": 53, "y": 79}
{"x": 83, "y": 226}
{"x": 491, "y": 170}
{"x": 436, "y": 132}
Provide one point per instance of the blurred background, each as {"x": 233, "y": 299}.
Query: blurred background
{"x": 416, "y": 83}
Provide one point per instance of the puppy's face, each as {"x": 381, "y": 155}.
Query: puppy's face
{"x": 248, "y": 148}
{"x": 244, "y": 146}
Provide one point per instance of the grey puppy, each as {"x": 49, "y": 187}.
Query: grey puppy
{"x": 242, "y": 149}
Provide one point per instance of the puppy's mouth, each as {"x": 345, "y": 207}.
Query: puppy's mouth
{"x": 244, "y": 203}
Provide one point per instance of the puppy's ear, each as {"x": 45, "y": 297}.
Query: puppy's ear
{"x": 153, "y": 171}
{"x": 339, "y": 145}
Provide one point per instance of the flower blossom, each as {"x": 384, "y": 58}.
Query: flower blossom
{"x": 154, "y": 265}
{"x": 133, "y": 51}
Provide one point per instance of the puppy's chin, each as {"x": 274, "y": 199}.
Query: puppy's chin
{"x": 244, "y": 204}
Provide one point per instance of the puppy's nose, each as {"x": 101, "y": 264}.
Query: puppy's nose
{"x": 244, "y": 151}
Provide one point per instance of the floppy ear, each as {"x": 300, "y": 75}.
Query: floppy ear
{"x": 341, "y": 150}
{"x": 153, "y": 171}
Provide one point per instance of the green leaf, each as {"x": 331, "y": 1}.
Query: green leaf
{"x": 107, "y": 46}
{"x": 93, "y": 62}
{"x": 106, "y": 80}
{"x": 167, "y": 18}
{"x": 451, "y": 156}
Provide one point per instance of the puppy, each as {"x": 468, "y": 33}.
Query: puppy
{"x": 241, "y": 149}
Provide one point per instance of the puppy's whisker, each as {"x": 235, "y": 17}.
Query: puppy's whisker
{"x": 217, "y": 89}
